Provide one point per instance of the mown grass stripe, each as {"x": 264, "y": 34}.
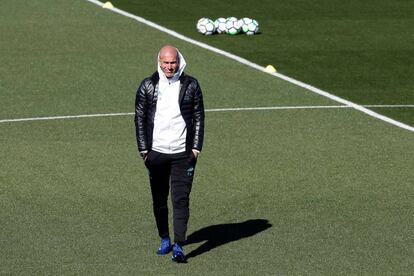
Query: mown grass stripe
{"x": 207, "y": 110}
{"x": 260, "y": 68}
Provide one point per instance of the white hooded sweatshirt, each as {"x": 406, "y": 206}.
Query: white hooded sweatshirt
{"x": 170, "y": 131}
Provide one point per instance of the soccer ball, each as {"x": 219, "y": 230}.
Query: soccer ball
{"x": 232, "y": 26}
{"x": 244, "y": 22}
{"x": 220, "y": 25}
{"x": 250, "y": 26}
{"x": 205, "y": 26}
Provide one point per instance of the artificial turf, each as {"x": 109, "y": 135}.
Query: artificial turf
{"x": 313, "y": 191}
{"x": 359, "y": 50}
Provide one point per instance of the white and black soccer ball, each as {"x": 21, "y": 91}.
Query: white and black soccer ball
{"x": 206, "y": 26}
{"x": 232, "y": 26}
{"x": 244, "y": 22}
{"x": 220, "y": 24}
{"x": 250, "y": 26}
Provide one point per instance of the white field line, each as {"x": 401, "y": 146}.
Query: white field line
{"x": 260, "y": 68}
{"x": 302, "y": 107}
{"x": 389, "y": 105}
{"x": 207, "y": 110}
{"x": 63, "y": 117}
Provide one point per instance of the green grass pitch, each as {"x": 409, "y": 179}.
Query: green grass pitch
{"x": 276, "y": 192}
{"x": 359, "y": 50}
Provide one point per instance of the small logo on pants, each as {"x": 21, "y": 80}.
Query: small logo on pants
{"x": 190, "y": 171}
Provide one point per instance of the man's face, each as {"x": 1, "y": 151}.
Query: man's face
{"x": 169, "y": 63}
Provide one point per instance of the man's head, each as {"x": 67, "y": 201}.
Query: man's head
{"x": 169, "y": 60}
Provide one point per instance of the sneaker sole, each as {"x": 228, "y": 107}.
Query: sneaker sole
{"x": 162, "y": 253}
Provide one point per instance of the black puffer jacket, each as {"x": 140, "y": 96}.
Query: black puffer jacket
{"x": 191, "y": 106}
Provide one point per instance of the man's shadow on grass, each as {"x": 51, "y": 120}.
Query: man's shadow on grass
{"x": 217, "y": 235}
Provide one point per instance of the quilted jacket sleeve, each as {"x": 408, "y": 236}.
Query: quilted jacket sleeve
{"x": 198, "y": 118}
{"x": 141, "y": 105}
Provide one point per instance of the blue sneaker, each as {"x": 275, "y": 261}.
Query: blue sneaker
{"x": 165, "y": 246}
{"x": 178, "y": 255}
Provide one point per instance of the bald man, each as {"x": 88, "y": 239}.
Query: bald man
{"x": 169, "y": 122}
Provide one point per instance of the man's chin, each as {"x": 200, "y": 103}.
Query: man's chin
{"x": 168, "y": 74}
